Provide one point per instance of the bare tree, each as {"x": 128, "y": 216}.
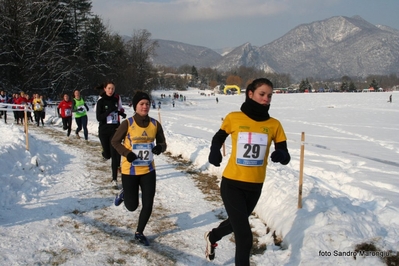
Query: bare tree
{"x": 139, "y": 72}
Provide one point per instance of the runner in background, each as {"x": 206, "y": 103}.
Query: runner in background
{"x": 64, "y": 111}
{"x": 38, "y": 107}
{"x": 43, "y": 114}
{"x": 29, "y": 101}
{"x": 80, "y": 108}
{"x": 108, "y": 109}
{"x": 21, "y": 100}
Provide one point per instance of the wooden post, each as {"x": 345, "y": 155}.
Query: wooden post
{"x": 26, "y": 128}
{"x": 159, "y": 116}
{"x": 301, "y": 170}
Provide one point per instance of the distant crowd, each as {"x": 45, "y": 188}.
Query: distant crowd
{"x": 35, "y": 103}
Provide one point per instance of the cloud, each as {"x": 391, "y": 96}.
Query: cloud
{"x": 186, "y": 10}
{"x": 219, "y": 23}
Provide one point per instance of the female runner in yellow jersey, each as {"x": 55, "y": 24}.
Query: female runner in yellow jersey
{"x": 252, "y": 131}
{"x": 138, "y": 134}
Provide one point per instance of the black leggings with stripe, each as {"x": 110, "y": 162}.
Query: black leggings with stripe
{"x": 131, "y": 185}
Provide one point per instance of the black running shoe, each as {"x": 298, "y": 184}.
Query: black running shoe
{"x": 142, "y": 239}
{"x": 119, "y": 198}
{"x": 210, "y": 248}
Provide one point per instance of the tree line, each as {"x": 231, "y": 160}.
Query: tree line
{"x": 350, "y": 84}
{"x": 53, "y": 47}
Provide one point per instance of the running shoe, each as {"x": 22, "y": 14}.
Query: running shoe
{"x": 142, "y": 239}
{"x": 210, "y": 248}
{"x": 114, "y": 183}
{"x": 119, "y": 198}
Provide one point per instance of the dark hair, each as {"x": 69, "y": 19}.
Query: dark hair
{"x": 102, "y": 86}
{"x": 256, "y": 84}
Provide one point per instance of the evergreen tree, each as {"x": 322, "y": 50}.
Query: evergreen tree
{"x": 305, "y": 85}
{"x": 344, "y": 86}
{"x": 352, "y": 86}
{"x": 374, "y": 84}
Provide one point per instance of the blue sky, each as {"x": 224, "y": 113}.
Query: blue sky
{"x": 230, "y": 23}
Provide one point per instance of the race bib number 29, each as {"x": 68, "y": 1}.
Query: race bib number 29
{"x": 251, "y": 148}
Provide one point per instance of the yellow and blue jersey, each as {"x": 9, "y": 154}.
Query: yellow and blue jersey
{"x": 251, "y": 142}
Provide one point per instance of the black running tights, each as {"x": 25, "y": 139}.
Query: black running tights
{"x": 239, "y": 200}
{"x": 131, "y": 185}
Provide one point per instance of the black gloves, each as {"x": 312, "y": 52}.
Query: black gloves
{"x": 278, "y": 156}
{"x": 215, "y": 156}
{"x": 123, "y": 115}
{"x": 131, "y": 157}
{"x": 157, "y": 150}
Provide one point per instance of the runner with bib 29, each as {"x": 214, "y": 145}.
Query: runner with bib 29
{"x": 252, "y": 132}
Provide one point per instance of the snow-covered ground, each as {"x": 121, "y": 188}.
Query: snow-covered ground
{"x": 57, "y": 207}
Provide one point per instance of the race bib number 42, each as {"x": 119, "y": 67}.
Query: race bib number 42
{"x": 251, "y": 148}
{"x": 144, "y": 154}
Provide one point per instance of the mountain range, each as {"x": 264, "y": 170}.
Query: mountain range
{"x": 331, "y": 48}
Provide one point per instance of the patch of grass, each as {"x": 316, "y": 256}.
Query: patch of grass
{"x": 208, "y": 184}
{"x": 59, "y": 257}
{"x": 258, "y": 249}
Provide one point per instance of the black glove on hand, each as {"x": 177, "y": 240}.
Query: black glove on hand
{"x": 157, "y": 150}
{"x": 123, "y": 115}
{"x": 277, "y": 156}
{"x": 131, "y": 157}
{"x": 215, "y": 156}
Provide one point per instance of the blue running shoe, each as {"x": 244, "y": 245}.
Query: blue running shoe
{"x": 142, "y": 239}
{"x": 119, "y": 198}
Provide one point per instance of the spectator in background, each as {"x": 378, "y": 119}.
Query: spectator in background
{"x": 4, "y": 99}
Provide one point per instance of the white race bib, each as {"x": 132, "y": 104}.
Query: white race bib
{"x": 251, "y": 148}
{"x": 112, "y": 118}
{"x": 68, "y": 112}
{"x": 144, "y": 153}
